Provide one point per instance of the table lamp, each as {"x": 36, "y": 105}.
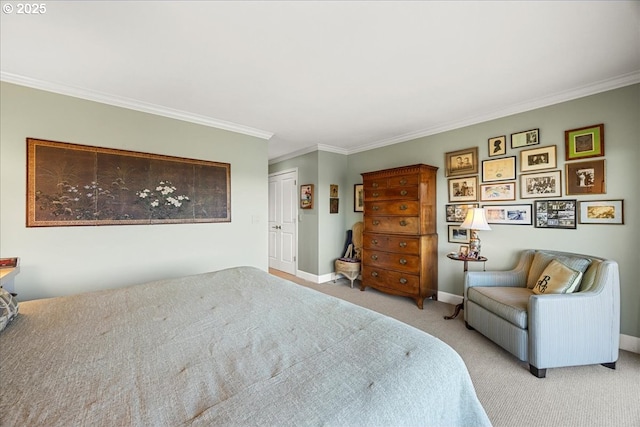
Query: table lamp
{"x": 475, "y": 221}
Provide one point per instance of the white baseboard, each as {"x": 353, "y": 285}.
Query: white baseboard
{"x": 627, "y": 342}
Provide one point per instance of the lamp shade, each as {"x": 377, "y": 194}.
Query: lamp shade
{"x": 475, "y": 220}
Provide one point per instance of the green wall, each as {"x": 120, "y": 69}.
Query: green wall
{"x": 65, "y": 260}
{"x": 618, "y": 109}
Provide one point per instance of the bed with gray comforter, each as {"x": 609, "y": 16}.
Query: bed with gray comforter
{"x": 237, "y": 347}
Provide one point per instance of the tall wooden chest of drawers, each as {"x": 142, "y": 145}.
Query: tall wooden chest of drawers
{"x": 400, "y": 246}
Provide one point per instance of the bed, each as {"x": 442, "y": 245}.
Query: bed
{"x": 237, "y": 347}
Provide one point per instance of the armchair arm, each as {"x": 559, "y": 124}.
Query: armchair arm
{"x": 516, "y": 277}
{"x": 577, "y": 329}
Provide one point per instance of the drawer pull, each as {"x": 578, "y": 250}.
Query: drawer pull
{"x": 404, "y": 192}
{"x": 374, "y": 273}
{"x": 403, "y": 244}
{"x": 403, "y": 181}
{"x": 375, "y": 185}
{"x": 403, "y": 223}
{"x": 374, "y": 257}
{"x": 403, "y": 280}
{"x": 403, "y": 261}
{"x": 403, "y": 207}
{"x": 374, "y": 241}
{"x": 376, "y": 222}
{"x": 376, "y": 194}
{"x": 376, "y": 208}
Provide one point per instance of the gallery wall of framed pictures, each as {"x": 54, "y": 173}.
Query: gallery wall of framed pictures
{"x": 523, "y": 166}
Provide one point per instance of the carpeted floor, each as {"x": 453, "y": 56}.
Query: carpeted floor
{"x": 574, "y": 396}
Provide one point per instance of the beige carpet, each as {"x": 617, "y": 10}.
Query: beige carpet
{"x": 575, "y": 396}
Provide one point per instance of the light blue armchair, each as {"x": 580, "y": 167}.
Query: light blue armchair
{"x": 548, "y": 331}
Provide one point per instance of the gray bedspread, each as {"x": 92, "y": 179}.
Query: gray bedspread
{"x": 237, "y": 347}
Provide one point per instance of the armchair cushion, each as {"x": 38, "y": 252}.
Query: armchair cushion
{"x": 557, "y": 278}
{"x": 510, "y": 303}
{"x": 542, "y": 259}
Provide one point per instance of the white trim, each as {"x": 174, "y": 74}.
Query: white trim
{"x": 630, "y": 343}
{"x": 133, "y": 104}
{"x": 449, "y": 298}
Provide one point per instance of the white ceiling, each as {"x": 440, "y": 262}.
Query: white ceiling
{"x": 342, "y": 76}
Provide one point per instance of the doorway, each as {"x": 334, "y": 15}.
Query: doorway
{"x": 283, "y": 214}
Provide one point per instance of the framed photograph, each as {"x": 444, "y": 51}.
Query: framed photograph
{"x": 584, "y": 142}
{"x": 459, "y": 235}
{"x": 555, "y": 213}
{"x": 463, "y": 189}
{"x": 306, "y": 196}
{"x": 536, "y": 159}
{"x": 333, "y": 205}
{"x": 333, "y": 190}
{"x": 457, "y": 213}
{"x": 503, "y": 169}
{"x": 541, "y": 184}
{"x": 508, "y": 214}
{"x": 79, "y": 185}
{"x": 461, "y": 162}
{"x": 498, "y": 192}
{"x": 602, "y": 212}
{"x": 585, "y": 177}
{"x": 497, "y": 146}
{"x": 525, "y": 138}
{"x": 463, "y": 252}
{"x": 358, "y": 198}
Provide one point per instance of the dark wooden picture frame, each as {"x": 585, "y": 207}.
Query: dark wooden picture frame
{"x": 461, "y": 162}
{"x": 585, "y": 142}
{"x": 334, "y": 204}
{"x": 76, "y": 185}
{"x": 358, "y": 198}
{"x": 555, "y": 213}
{"x": 306, "y": 196}
{"x": 502, "y": 169}
{"x": 497, "y": 146}
{"x": 585, "y": 178}
{"x": 458, "y": 212}
{"x": 525, "y": 138}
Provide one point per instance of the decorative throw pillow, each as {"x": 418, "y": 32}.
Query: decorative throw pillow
{"x": 8, "y": 308}
{"x": 557, "y": 278}
{"x": 542, "y": 259}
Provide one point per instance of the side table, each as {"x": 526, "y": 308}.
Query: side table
{"x": 466, "y": 261}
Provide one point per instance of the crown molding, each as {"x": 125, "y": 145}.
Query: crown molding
{"x": 581, "y": 92}
{"x": 310, "y": 149}
{"x": 132, "y": 104}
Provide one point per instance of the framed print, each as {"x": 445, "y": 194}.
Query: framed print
{"x": 508, "y": 214}
{"x": 585, "y": 177}
{"x": 584, "y": 142}
{"x": 463, "y": 189}
{"x": 497, "y": 146}
{"x": 542, "y": 184}
{"x": 555, "y": 213}
{"x": 463, "y": 251}
{"x": 497, "y": 192}
{"x": 601, "y": 212}
{"x": 334, "y": 202}
{"x": 333, "y": 190}
{"x": 525, "y": 138}
{"x": 306, "y": 196}
{"x": 459, "y": 235}
{"x": 461, "y": 162}
{"x": 536, "y": 159}
{"x": 80, "y": 185}
{"x": 358, "y": 198}
{"x": 457, "y": 213}
{"x": 502, "y": 169}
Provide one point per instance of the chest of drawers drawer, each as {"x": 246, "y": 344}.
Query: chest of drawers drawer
{"x": 407, "y": 208}
{"x": 392, "y": 260}
{"x": 395, "y": 224}
{"x": 391, "y": 280}
{"x": 390, "y": 243}
{"x": 408, "y": 193}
